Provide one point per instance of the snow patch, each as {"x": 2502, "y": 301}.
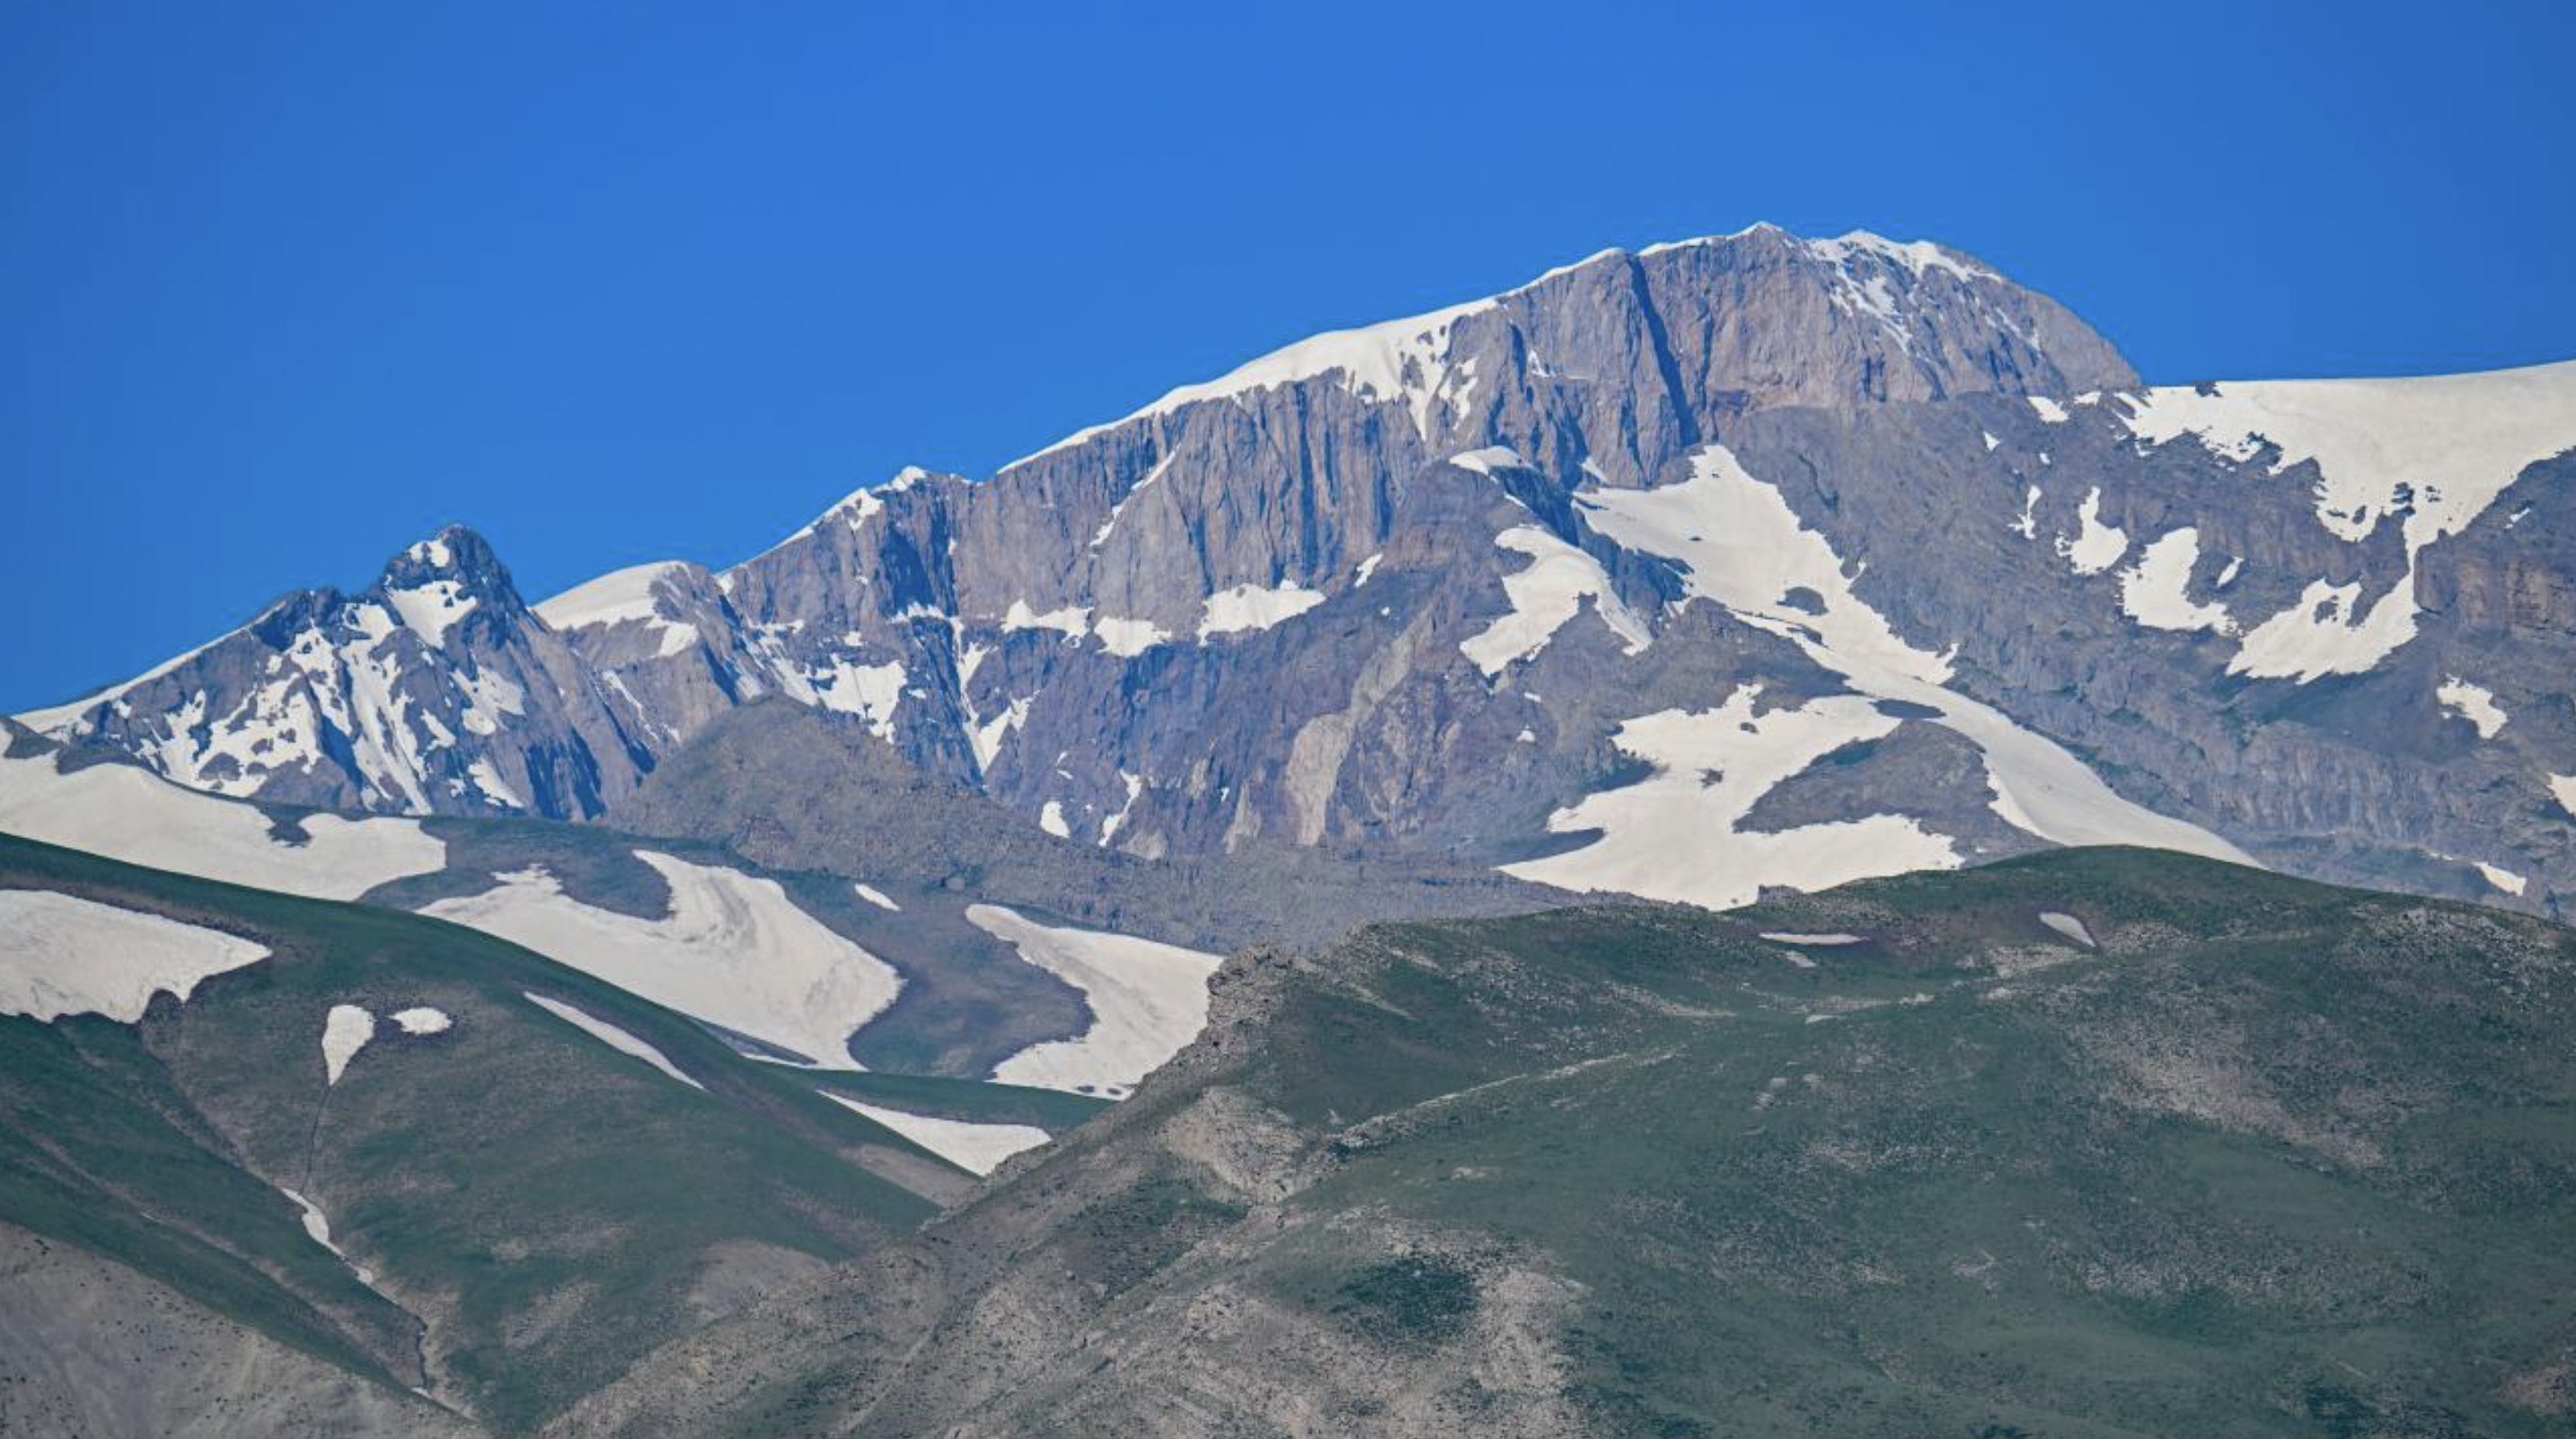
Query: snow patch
{"x": 1673, "y": 836}
{"x": 1129, "y": 638}
{"x": 627, "y": 596}
{"x": 431, "y": 610}
{"x": 976, "y": 1148}
{"x": 869, "y": 691}
{"x": 1111, "y": 824}
{"x": 1072, "y": 621}
{"x": 62, "y": 955}
{"x": 1101, "y": 536}
{"x": 2156, "y": 591}
{"x": 2435, "y": 451}
{"x": 57, "y": 720}
{"x": 127, "y": 813}
{"x": 1147, "y": 1000}
{"x": 1489, "y": 459}
{"x": 733, "y": 951}
{"x": 1544, "y": 597}
{"x": 610, "y": 1035}
{"x": 488, "y": 779}
{"x": 2096, "y": 546}
{"x": 1826, "y": 940}
{"x": 345, "y": 1031}
{"x": 2503, "y": 879}
{"x": 988, "y": 736}
{"x": 1400, "y": 360}
{"x": 1739, "y": 544}
{"x": 2069, "y": 926}
{"x": 1250, "y": 607}
{"x": 877, "y": 897}
{"x": 1051, "y": 819}
{"x": 2474, "y": 703}
{"x": 2327, "y": 632}
{"x": 318, "y": 1229}
{"x": 421, "y": 1019}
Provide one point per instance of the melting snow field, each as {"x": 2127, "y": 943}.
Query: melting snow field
{"x": 2156, "y": 592}
{"x": 1250, "y": 607}
{"x": 345, "y": 1031}
{"x": 2096, "y": 546}
{"x": 2437, "y": 450}
{"x": 61, "y": 955}
{"x": 2562, "y": 788}
{"x": 2502, "y": 878}
{"x": 349, "y": 1028}
{"x": 1545, "y": 597}
{"x": 610, "y": 1035}
{"x": 317, "y": 1227}
{"x": 1674, "y": 837}
{"x": 734, "y": 951}
{"x": 2069, "y": 926}
{"x": 2474, "y": 703}
{"x": 1740, "y": 545}
{"x": 1147, "y": 1000}
{"x": 975, "y": 1148}
{"x": 126, "y": 813}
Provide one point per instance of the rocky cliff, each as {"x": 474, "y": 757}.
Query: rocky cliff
{"x": 1744, "y": 561}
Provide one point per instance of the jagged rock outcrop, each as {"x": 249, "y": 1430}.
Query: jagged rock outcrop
{"x": 433, "y": 691}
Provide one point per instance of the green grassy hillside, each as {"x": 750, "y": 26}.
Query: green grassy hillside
{"x": 2275, "y": 1159}
{"x": 537, "y": 1208}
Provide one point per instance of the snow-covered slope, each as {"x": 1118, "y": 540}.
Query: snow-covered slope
{"x": 61, "y": 954}
{"x": 733, "y": 951}
{"x": 125, "y": 813}
{"x": 976, "y": 1148}
{"x": 1146, "y": 1001}
{"x": 2424, "y": 456}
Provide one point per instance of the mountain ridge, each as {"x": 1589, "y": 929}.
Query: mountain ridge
{"x": 1430, "y": 525}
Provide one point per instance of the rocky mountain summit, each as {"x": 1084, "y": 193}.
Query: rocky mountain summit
{"x": 1745, "y": 561}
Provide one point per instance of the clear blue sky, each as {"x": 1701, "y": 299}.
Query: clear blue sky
{"x": 285, "y": 286}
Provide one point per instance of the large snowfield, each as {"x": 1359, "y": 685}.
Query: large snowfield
{"x": 126, "y": 813}
{"x": 1740, "y": 544}
{"x": 733, "y": 951}
{"x": 1147, "y": 1000}
{"x": 61, "y": 954}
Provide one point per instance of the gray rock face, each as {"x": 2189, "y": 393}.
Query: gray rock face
{"x": 1802, "y": 557}
{"x": 434, "y": 691}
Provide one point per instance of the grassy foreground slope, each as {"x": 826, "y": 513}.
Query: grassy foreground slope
{"x": 2273, "y": 1159}
{"x": 532, "y": 1208}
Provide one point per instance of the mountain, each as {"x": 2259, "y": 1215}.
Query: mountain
{"x": 2097, "y": 1142}
{"x": 748, "y": 1001}
{"x": 435, "y": 691}
{"x": 1700, "y": 542}
{"x": 411, "y": 1178}
{"x": 924, "y": 974}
